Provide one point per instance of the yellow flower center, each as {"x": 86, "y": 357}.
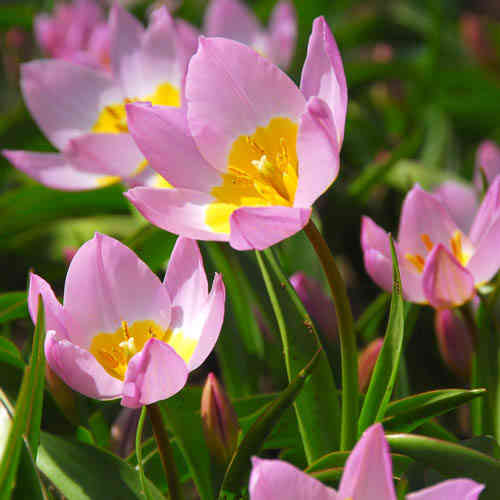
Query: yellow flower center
{"x": 262, "y": 171}
{"x": 114, "y": 350}
{"x": 456, "y": 247}
{"x": 113, "y": 120}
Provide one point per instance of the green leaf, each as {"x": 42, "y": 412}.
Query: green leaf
{"x": 451, "y": 460}
{"x": 28, "y": 413}
{"x": 32, "y": 207}
{"x": 367, "y": 324}
{"x": 253, "y": 440}
{"x": 317, "y": 407}
{"x": 409, "y": 413}
{"x": 182, "y": 416}
{"x": 386, "y": 368}
{"x": 83, "y": 472}
{"x": 13, "y": 305}
{"x": 10, "y": 354}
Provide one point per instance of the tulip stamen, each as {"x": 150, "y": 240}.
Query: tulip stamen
{"x": 426, "y": 240}
{"x": 417, "y": 260}
{"x": 457, "y": 248}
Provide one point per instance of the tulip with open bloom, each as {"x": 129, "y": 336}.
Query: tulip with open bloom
{"x": 367, "y": 476}
{"x": 121, "y": 332}
{"x": 82, "y": 110}
{"x": 253, "y": 152}
{"x": 233, "y": 19}
{"x": 440, "y": 264}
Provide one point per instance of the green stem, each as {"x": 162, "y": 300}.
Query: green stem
{"x": 348, "y": 350}
{"x": 165, "y": 451}
{"x": 138, "y": 451}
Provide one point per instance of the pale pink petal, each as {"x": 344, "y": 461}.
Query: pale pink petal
{"x": 368, "y": 470}
{"x": 188, "y": 35}
{"x": 162, "y": 55}
{"x": 154, "y": 374}
{"x": 485, "y": 262}
{"x": 317, "y": 151}
{"x": 453, "y": 489}
{"x": 126, "y": 34}
{"x": 65, "y": 99}
{"x": 186, "y": 282}
{"x": 461, "y": 201}
{"x": 273, "y": 479}
{"x": 231, "y": 19}
{"x": 53, "y": 170}
{"x": 179, "y": 211}
{"x": 447, "y": 284}
{"x": 424, "y": 213}
{"x": 107, "y": 284}
{"x": 260, "y": 227}
{"x": 163, "y": 136}
{"x": 323, "y": 73}
{"x": 487, "y": 213}
{"x": 283, "y": 31}
{"x": 80, "y": 370}
{"x": 487, "y": 160}
{"x": 206, "y": 325}
{"x": 231, "y": 90}
{"x": 378, "y": 262}
{"x": 109, "y": 154}
{"x": 55, "y": 316}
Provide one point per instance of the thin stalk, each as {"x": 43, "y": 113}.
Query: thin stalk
{"x": 348, "y": 349}
{"x": 165, "y": 451}
{"x": 138, "y": 451}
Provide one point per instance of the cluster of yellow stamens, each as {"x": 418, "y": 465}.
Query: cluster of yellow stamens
{"x": 262, "y": 170}
{"x": 456, "y": 248}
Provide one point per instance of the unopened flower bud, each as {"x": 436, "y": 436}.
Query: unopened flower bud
{"x": 123, "y": 431}
{"x": 366, "y": 363}
{"x": 455, "y": 342}
{"x": 63, "y": 395}
{"x": 220, "y": 423}
{"x": 320, "y": 307}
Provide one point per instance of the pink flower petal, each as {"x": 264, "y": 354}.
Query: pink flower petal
{"x": 206, "y": 325}
{"x": 423, "y": 213}
{"x": 273, "y": 479}
{"x": 179, "y": 211}
{"x": 80, "y": 370}
{"x": 283, "y": 31}
{"x": 107, "y": 284}
{"x": 260, "y": 227}
{"x": 54, "y": 314}
{"x": 154, "y": 374}
{"x": 318, "y": 152}
{"x": 456, "y": 489}
{"x": 231, "y": 90}
{"x": 163, "y": 136}
{"x": 65, "y": 99}
{"x": 108, "y": 154}
{"x": 53, "y": 170}
{"x": 485, "y": 262}
{"x": 487, "y": 213}
{"x": 487, "y": 159}
{"x": 231, "y": 19}
{"x": 188, "y": 36}
{"x": 461, "y": 201}
{"x": 323, "y": 73}
{"x": 446, "y": 283}
{"x": 368, "y": 470}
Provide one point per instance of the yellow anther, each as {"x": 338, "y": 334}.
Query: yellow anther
{"x": 417, "y": 260}
{"x": 426, "y": 240}
{"x": 125, "y": 331}
{"x": 254, "y": 145}
{"x": 456, "y": 246}
{"x": 108, "y": 358}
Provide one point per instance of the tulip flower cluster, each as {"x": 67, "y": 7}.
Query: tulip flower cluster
{"x": 214, "y": 141}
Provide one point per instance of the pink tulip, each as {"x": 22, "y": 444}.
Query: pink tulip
{"x": 440, "y": 264}
{"x": 250, "y": 153}
{"x": 121, "y": 332}
{"x": 367, "y": 360}
{"x": 367, "y": 476}
{"x": 71, "y": 31}
{"x": 233, "y": 19}
{"x": 487, "y": 160}
{"x": 82, "y": 110}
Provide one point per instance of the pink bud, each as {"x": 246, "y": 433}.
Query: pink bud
{"x": 69, "y": 253}
{"x": 64, "y": 396}
{"x": 123, "y": 431}
{"x": 366, "y": 362}
{"x": 318, "y": 304}
{"x": 455, "y": 342}
{"x": 220, "y": 423}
